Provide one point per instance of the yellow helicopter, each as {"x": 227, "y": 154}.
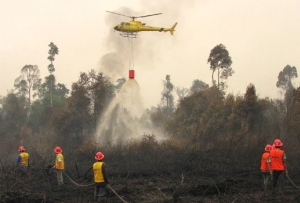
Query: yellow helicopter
{"x": 131, "y": 28}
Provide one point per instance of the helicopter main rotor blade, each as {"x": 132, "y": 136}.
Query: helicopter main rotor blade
{"x": 133, "y": 17}
{"x": 118, "y": 14}
{"x": 148, "y": 15}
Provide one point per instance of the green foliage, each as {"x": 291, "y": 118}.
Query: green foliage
{"x": 295, "y": 115}
{"x": 120, "y": 83}
{"x": 209, "y": 116}
{"x": 198, "y": 85}
{"x": 52, "y": 52}
{"x": 42, "y": 113}
{"x": 74, "y": 119}
{"x": 13, "y": 114}
{"x": 100, "y": 91}
{"x": 186, "y": 120}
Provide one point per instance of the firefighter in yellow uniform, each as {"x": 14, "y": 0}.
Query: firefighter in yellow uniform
{"x": 59, "y": 165}
{"x": 100, "y": 177}
{"x": 22, "y": 160}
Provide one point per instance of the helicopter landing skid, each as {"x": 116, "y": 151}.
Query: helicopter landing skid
{"x": 129, "y": 34}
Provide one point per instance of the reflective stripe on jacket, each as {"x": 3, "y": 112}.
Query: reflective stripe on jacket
{"x": 59, "y": 162}
{"x": 24, "y": 159}
{"x": 98, "y": 172}
{"x": 277, "y": 159}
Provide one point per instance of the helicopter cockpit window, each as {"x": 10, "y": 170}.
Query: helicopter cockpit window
{"x": 122, "y": 23}
{"x": 127, "y": 24}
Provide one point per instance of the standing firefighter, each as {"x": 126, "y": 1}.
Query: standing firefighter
{"x": 265, "y": 166}
{"x": 59, "y": 166}
{"x": 22, "y": 160}
{"x": 100, "y": 177}
{"x": 278, "y": 162}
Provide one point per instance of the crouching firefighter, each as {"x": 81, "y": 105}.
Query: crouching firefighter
{"x": 265, "y": 166}
{"x": 100, "y": 177}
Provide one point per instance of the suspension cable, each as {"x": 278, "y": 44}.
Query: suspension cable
{"x": 131, "y": 63}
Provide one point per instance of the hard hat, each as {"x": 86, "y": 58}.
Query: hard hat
{"x": 278, "y": 143}
{"x": 268, "y": 147}
{"x": 273, "y": 146}
{"x": 57, "y": 150}
{"x": 21, "y": 149}
{"x": 99, "y": 156}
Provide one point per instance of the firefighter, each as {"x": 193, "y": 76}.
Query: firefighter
{"x": 278, "y": 162}
{"x": 100, "y": 177}
{"x": 59, "y": 165}
{"x": 265, "y": 166}
{"x": 22, "y": 160}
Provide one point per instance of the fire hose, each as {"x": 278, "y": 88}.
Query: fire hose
{"x": 288, "y": 177}
{"x": 107, "y": 186}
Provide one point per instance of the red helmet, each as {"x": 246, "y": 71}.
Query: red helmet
{"x": 57, "y": 150}
{"x": 273, "y": 146}
{"x": 21, "y": 149}
{"x": 278, "y": 143}
{"x": 268, "y": 147}
{"x": 99, "y": 156}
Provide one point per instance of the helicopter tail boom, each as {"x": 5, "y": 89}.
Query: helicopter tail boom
{"x": 172, "y": 29}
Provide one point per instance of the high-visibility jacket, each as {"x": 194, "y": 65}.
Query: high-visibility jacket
{"x": 59, "y": 162}
{"x": 98, "y": 172}
{"x": 264, "y": 162}
{"x": 277, "y": 162}
{"x": 24, "y": 159}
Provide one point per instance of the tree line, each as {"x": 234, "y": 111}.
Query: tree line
{"x": 203, "y": 113}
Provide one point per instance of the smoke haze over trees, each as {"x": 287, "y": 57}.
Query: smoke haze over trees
{"x": 204, "y": 117}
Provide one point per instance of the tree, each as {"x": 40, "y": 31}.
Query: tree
{"x": 76, "y": 118}
{"x": 285, "y": 82}
{"x": 181, "y": 92}
{"x": 52, "y": 52}
{"x": 28, "y": 80}
{"x": 120, "y": 83}
{"x": 285, "y": 77}
{"x": 13, "y": 114}
{"x": 99, "y": 90}
{"x": 220, "y": 61}
{"x": 167, "y": 99}
{"x": 198, "y": 85}
{"x": 44, "y": 108}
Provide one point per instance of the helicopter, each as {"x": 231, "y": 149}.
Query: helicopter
{"x": 131, "y": 28}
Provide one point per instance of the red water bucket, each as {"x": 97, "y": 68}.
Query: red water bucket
{"x": 131, "y": 74}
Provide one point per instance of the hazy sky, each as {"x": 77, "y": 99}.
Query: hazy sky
{"x": 262, "y": 37}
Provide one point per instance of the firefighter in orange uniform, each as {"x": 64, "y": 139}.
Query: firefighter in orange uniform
{"x": 100, "y": 177}
{"x": 265, "y": 166}
{"x": 278, "y": 162}
{"x": 59, "y": 165}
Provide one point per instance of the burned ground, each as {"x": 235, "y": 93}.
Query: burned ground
{"x": 150, "y": 171}
{"x": 39, "y": 186}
